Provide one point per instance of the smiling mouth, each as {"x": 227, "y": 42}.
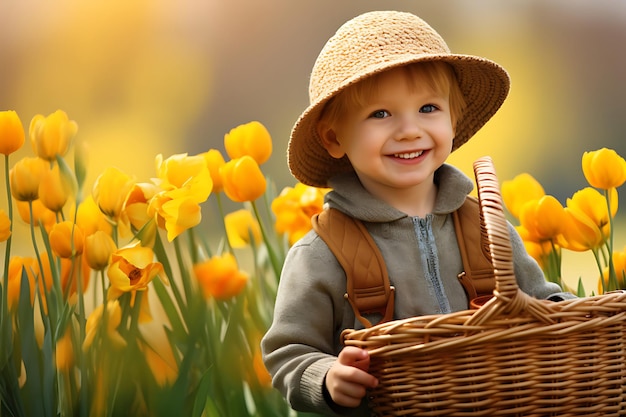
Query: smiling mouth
{"x": 408, "y": 155}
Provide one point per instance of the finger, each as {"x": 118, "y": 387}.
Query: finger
{"x": 350, "y": 355}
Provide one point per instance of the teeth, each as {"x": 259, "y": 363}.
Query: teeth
{"x": 408, "y": 155}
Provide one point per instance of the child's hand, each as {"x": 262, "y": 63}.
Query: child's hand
{"x": 347, "y": 380}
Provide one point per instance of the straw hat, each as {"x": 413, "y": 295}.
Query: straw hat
{"x": 371, "y": 43}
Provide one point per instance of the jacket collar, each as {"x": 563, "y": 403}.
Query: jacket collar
{"x": 349, "y": 196}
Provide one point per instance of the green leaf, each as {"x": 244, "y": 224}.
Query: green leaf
{"x": 202, "y": 394}
{"x": 31, "y": 390}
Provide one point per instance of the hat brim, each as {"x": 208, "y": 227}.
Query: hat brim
{"x": 483, "y": 83}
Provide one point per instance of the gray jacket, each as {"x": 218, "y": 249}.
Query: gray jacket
{"x": 423, "y": 262}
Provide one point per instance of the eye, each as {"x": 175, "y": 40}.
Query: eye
{"x": 428, "y": 108}
{"x": 379, "y": 114}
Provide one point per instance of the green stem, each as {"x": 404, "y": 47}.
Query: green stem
{"x": 5, "y": 327}
{"x": 276, "y": 265}
{"x": 220, "y": 207}
{"x": 613, "y": 285}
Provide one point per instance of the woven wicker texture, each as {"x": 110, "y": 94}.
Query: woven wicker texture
{"x": 514, "y": 356}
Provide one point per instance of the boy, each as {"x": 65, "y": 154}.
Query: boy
{"x": 389, "y": 103}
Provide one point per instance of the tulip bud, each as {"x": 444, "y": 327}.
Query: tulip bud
{"x": 98, "y": 249}
{"x": 243, "y": 179}
{"x": 25, "y": 177}
{"x": 250, "y": 139}
{"x": 51, "y": 136}
{"x": 66, "y": 239}
{"x": 11, "y": 132}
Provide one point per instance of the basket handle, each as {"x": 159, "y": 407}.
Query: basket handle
{"x": 508, "y": 298}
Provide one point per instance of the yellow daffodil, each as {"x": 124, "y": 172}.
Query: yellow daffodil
{"x": 215, "y": 161}
{"x": 604, "y": 168}
{"x": 240, "y": 225}
{"x": 98, "y": 249}
{"x": 219, "y": 277}
{"x": 17, "y": 264}
{"x": 586, "y": 218}
{"x": 11, "y": 132}
{"x": 110, "y": 191}
{"x": 64, "y": 352}
{"x": 52, "y": 135}
{"x": 242, "y": 179}
{"x": 5, "y": 226}
{"x": 54, "y": 190}
{"x": 542, "y": 218}
{"x": 294, "y": 208}
{"x": 66, "y": 239}
{"x": 250, "y": 139}
{"x": 114, "y": 319}
{"x": 90, "y": 218}
{"x": 131, "y": 269}
{"x": 520, "y": 190}
{"x": 25, "y": 177}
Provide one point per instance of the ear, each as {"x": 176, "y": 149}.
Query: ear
{"x": 329, "y": 141}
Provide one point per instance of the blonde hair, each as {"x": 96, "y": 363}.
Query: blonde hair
{"x": 439, "y": 76}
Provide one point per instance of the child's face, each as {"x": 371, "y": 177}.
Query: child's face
{"x": 398, "y": 138}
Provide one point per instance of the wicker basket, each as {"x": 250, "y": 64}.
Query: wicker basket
{"x": 514, "y": 356}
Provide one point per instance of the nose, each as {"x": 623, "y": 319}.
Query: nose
{"x": 409, "y": 127}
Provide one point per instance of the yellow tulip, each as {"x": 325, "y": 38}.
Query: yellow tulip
{"x": 54, "y": 190}
{"x": 219, "y": 277}
{"x": 11, "y": 132}
{"x": 66, "y": 239}
{"x": 64, "y": 352}
{"x": 586, "y": 218}
{"x": 263, "y": 377}
{"x": 619, "y": 262}
{"x": 162, "y": 363}
{"x": 131, "y": 269}
{"x": 111, "y": 190}
{"x": 250, "y": 139}
{"x": 243, "y": 179}
{"x": 52, "y": 135}
{"x": 179, "y": 215}
{"x": 98, "y": 249}
{"x": 5, "y": 226}
{"x": 215, "y": 161}
{"x": 25, "y": 177}
{"x": 519, "y": 191}
{"x": 70, "y": 271}
{"x": 91, "y": 219}
{"x": 41, "y": 214}
{"x": 137, "y": 202}
{"x": 294, "y": 208}
{"x": 542, "y": 219}
{"x": 17, "y": 264}
{"x": 114, "y": 319}
{"x": 240, "y": 225}
{"x": 184, "y": 175}
{"x": 604, "y": 168}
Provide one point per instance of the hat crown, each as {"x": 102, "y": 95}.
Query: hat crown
{"x": 369, "y": 41}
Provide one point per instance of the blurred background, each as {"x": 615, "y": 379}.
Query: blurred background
{"x": 145, "y": 77}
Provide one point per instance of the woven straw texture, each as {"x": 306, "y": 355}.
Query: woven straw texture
{"x": 369, "y": 44}
{"x": 514, "y": 356}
